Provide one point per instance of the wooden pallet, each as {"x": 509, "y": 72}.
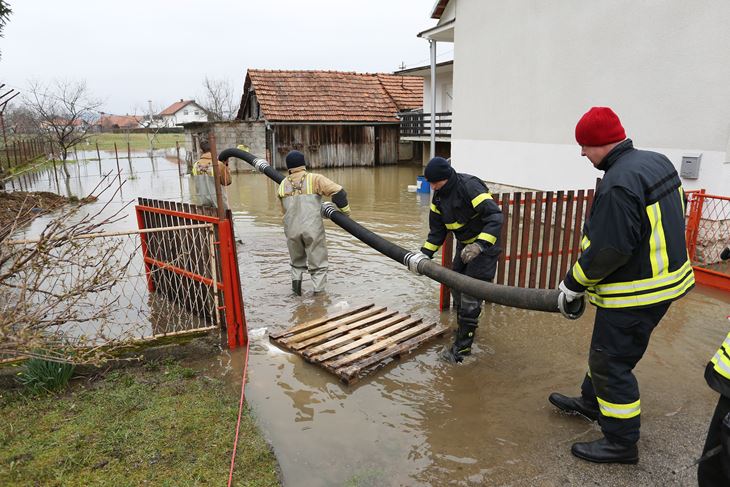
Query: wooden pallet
{"x": 354, "y": 342}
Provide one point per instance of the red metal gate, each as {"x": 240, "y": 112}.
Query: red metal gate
{"x": 708, "y": 233}
{"x": 192, "y": 272}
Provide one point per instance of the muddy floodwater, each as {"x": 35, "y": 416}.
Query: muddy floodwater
{"x": 419, "y": 421}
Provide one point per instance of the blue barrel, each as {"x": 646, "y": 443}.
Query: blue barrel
{"x": 422, "y": 186}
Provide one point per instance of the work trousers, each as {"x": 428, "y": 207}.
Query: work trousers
{"x": 482, "y": 267}
{"x": 715, "y": 471}
{"x": 620, "y": 338}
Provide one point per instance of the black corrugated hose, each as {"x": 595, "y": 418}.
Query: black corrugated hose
{"x": 516, "y": 297}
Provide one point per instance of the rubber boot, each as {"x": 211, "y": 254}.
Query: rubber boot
{"x": 296, "y": 286}
{"x": 463, "y": 339}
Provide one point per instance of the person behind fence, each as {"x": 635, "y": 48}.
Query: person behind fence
{"x": 714, "y": 466}
{"x": 301, "y": 198}
{"x": 203, "y": 184}
{"x": 462, "y": 204}
{"x": 633, "y": 264}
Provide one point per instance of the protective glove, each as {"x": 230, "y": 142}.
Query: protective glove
{"x": 470, "y": 252}
{"x": 570, "y": 296}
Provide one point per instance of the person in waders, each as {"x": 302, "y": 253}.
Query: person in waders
{"x": 633, "y": 264}
{"x": 203, "y": 180}
{"x": 714, "y": 467}
{"x": 301, "y": 194}
{"x": 462, "y": 204}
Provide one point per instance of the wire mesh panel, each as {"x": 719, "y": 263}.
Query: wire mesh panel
{"x": 708, "y": 230}
{"x": 95, "y": 289}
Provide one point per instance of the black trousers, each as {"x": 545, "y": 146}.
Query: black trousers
{"x": 620, "y": 338}
{"x": 482, "y": 267}
{"x": 712, "y": 472}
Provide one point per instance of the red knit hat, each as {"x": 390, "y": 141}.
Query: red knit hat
{"x": 599, "y": 126}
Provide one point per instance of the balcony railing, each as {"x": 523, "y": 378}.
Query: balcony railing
{"x": 417, "y": 124}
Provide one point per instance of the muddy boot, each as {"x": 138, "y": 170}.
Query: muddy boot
{"x": 462, "y": 344}
{"x": 296, "y": 286}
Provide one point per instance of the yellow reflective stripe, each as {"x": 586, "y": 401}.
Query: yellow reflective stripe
{"x": 434, "y": 209}
{"x": 644, "y": 299}
{"x": 455, "y": 225}
{"x": 428, "y": 245}
{"x": 585, "y": 243}
{"x": 589, "y": 373}
{"x": 657, "y": 241}
{"x": 479, "y": 198}
{"x": 621, "y": 411}
{"x": 345, "y": 209}
{"x": 721, "y": 364}
{"x": 681, "y": 198}
{"x": 581, "y": 277}
{"x": 309, "y": 184}
{"x": 281, "y": 189}
{"x": 487, "y": 237}
{"x": 645, "y": 284}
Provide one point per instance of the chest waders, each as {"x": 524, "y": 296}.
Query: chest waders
{"x": 304, "y": 230}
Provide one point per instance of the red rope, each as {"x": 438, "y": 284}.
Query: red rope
{"x": 240, "y": 412}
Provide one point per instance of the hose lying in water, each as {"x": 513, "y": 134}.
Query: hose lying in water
{"x": 516, "y": 297}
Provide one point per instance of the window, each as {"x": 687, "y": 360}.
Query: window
{"x": 197, "y": 112}
{"x": 185, "y": 112}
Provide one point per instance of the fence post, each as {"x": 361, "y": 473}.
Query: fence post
{"x": 447, "y": 256}
{"x": 145, "y": 255}
{"x": 234, "y": 327}
{"x": 693, "y": 222}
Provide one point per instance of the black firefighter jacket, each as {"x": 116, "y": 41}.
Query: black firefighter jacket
{"x": 633, "y": 248}
{"x": 465, "y": 207}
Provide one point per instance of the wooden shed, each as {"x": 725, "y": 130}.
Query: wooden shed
{"x": 335, "y": 118}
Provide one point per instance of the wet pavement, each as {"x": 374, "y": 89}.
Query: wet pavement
{"x": 419, "y": 421}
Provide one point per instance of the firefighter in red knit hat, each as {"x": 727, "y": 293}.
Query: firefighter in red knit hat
{"x": 633, "y": 264}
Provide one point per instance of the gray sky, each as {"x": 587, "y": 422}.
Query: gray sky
{"x": 132, "y": 51}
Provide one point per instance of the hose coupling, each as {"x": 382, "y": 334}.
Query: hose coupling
{"x": 327, "y": 209}
{"x": 260, "y": 164}
{"x": 571, "y": 310}
{"x": 412, "y": 259}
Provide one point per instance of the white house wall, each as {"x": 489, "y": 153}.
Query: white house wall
{"x": 444, "y": 85}
{"x": 525, "y": 71}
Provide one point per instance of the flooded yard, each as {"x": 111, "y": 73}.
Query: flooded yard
{"x": 419, "y": 421}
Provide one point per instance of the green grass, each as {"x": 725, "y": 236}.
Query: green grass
{"x": 158, "y": 425}
{"x": 136, "y": 141}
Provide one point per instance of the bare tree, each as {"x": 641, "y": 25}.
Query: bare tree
{"x": 64, "y": 110}
{"x": 218, "y": 99}
{"x": 47, "y": 288}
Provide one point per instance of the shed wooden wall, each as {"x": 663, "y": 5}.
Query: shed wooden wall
{"x": 337, "y": 145}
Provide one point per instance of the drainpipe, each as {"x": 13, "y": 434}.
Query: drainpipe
{"x": 432, "y": 43}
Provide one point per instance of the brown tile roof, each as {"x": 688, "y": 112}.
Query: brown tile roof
{"x": 332, "y": 96}
{"x": 176, "y": 107}
{"x": 121, "y": 121}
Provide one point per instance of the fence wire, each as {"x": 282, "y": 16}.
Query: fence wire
{"x": 114, "y": 287}
{"x": 708, "y": 230}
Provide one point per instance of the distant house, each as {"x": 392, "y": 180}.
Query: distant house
{"x": 416, "y": 125}
{"x": 183, "y": 111}
{"x": 335, "y": 118}
{"x": 109, "y": 122}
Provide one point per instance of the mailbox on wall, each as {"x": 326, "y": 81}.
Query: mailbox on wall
{"x": 690, "y": 166}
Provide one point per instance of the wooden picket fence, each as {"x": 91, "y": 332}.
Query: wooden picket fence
{"x": 540, "y": 237}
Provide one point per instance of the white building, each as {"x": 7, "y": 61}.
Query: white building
{"x": 183, "y": 111}
{"x": 524, "y": 72}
